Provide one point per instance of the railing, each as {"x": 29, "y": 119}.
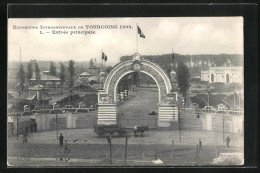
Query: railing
{"x": 73, "y": 109}
{"x": 232, "y": 112}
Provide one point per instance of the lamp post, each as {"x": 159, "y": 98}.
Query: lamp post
{"x": 208, "y": 94}
{"x": 179, "y": 118}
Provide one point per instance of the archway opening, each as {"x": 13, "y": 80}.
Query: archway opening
{"x": 137, "y": 101}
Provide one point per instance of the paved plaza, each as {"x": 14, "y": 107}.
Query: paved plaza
{"x": 87, "y": 149}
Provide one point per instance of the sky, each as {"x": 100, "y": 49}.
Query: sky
{"x": 183, "y": 35}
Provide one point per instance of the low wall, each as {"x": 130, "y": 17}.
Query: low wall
{"x": 49, "y": 121}
{"x": 188, "y": 121}
{"x": 211, "y": 121}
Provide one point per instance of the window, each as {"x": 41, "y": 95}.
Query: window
{"x": 212, "y": 77}
{"x": 227, "y": 78}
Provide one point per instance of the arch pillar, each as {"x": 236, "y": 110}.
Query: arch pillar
{"x": 107, "y": 113}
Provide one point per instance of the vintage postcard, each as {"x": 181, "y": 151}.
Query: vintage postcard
{"x": 154, "y": 91}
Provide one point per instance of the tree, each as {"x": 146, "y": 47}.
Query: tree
{"x": 37, "y": 73}
{"x": 29, "y": 71}
{"x": 71, "y": 72}
{"x": 62, "y": 74}
{"x": 53, "y": 70}
{"x": 183, "y": 76}
{"x": 109, "y": 68}
{"x": 20, "y": 74}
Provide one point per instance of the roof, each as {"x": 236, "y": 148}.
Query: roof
{"x": 46, "y": 77}
{"x": 82, "y": 81}
{"x": 44, "y": 96}
{"x": 85, "y": 74}
{"x": 172, "y": 72}
{"x": 93, "y": 78}
{"x": 37, "y": 88}
{"x": 32, "y": 97}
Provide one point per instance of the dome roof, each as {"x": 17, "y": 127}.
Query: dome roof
{"x": 172, "y": 72}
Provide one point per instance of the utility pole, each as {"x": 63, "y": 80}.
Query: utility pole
{"x": 110, "y": 150}
{"x": 223, "y": 129}
{"x": 172, "y": 147}
{"x": 125, "y": 149}
{"x": 69, "y": 94}
{"x": 15, "y": 113}
{"x": 57, "y": 127}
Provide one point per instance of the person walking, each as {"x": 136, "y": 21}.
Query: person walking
{"x": 61, "y": 140}
{"x": 228, "y": 141}
{"x": 200, "y": 145}
{"x": 135, "y": 130}
{"x": 24, "y": 138}
{"x": 26, "y": 130}
{"x": 66, "y": 149}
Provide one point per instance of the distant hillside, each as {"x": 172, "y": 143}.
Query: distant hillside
{"x": 45, "y": 65}
{"x": 196, "y": 63}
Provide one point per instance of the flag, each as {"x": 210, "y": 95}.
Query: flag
{"x": 104, "y": 57}
{"x": 140, "y": 32}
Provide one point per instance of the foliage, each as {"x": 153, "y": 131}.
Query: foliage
{"x": 29, "y": 71}
{"x": 20, "y": 74}
{"x": 136, "y": 78}
{"x": 183, "y": 76}
{"x": 90, "y": 99}
{"x": 85, "y": 88}
{"x": 194, "y": 62}
{"x": 109, "y": 68}
{"x": 53, "y": 70}
{"x": 37, "y": 73}
{"x": 71, "y": 72}
{"x": 62, "y": 73}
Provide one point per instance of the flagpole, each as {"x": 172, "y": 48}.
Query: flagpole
{"x": 102, "y": 59}
{"x": 137, "y": 37}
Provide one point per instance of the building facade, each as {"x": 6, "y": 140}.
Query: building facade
{"x": 223, "y": 74}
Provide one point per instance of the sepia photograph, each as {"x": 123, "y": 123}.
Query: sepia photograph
{"x": 125, "y": 91}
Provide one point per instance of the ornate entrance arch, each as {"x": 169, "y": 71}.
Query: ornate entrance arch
{"x": 107, "y": 97}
